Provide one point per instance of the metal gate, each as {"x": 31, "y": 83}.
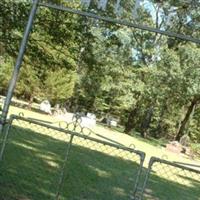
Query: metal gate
{"x": 42, "y": 162}
{"x": 168, "y": 180}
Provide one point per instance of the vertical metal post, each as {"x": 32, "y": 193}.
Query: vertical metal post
{"x": 57, "y": 196}
{"x": 4, "y": 139}
{"x": 147, "y": 177}
{"x": 138, "y": 178}
{"x": 19, "y": 60}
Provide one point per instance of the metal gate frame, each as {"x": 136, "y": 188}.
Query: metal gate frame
{"x": 35, "y": 5}
{"x": 73, "y": 134}
{"x": 154, "y": 160}
{"x": 139, "y": 190}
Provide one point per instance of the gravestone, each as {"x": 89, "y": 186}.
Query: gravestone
{"x": 174, "y": 147}
{"x": 111, "y": 122}
{"x": 45, "y": 106}
{"x": 185, "y": 140}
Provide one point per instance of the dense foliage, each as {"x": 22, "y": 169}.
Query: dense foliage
{"x": 151, "y": 83}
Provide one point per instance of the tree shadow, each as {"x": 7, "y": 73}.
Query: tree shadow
{"x": 108, "y": 139}
{"x": 33, "y": 162}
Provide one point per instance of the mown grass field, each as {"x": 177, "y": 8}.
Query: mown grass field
{"x": 34, "y": 157}
{"x": 150, "y": 148}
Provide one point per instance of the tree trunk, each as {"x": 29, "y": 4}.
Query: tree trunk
{"x": 146, "y": 122}
{"x": 130, "y": 124}
{"x": 185, "y": 121}
{"x": 30, "y": 102}
{"x": 158, "y": 131}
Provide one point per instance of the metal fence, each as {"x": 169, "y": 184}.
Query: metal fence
{"x": 39, "y": 161}
{"x": 170, "y": 181}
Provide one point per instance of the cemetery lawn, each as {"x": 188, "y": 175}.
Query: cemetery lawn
{"x": 49, "y": 149}
{"x": 150, "y": 148}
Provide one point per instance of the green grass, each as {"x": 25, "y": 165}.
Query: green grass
{"x": 34, "y": 158}
{"x": 33, "y": 163}
{"x": 150, "y": 147}
{"x": 150, "y": 140}
{"x": 164, "y": 189}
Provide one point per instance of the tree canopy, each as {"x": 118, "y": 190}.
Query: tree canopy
{"x": 150, "y": 82}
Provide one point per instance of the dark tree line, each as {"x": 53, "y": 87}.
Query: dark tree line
{"x": 148, "y": 81}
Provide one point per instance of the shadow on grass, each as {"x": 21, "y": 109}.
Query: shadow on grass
{"x": 32, "y": 164}
{"x": 150, "y": 140}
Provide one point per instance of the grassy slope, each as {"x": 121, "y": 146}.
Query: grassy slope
{"x": 126, "y": 140}
{"x": 37, "y": 159}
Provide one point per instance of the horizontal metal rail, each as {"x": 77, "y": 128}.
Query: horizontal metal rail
{"x": 75, "y": 139}
{"x": 121, "y": 22}
{"x": 174, "y": 164}
{"x": 188, "y": 164}
{"x": 158, "y": 160}
{"x": 140, "y": 153}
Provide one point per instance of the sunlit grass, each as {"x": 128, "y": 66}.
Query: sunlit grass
{"x": 140, "y": 144}
{"x": 34, "y": 159}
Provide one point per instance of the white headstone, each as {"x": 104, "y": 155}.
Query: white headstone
{"x": 88, "y": 122}
{"x": 113, "y": 123}
{"x": 91, "y": 116}
{"x": 45, "y": 106}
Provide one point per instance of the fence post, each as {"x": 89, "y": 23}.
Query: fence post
{"x": 152, "y": 160}
{"x": 143, "y": 155}
{"x": 18, "y": 64}
{"x": 63, "y": 168}
{"x": 4, "y": 139}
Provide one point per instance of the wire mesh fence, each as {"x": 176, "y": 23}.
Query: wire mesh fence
{"x": 167, "y": 180}
{"x": 40, "y": 161}
{"x": 32, "y": 161}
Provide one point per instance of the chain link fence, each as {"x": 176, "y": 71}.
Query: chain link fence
{"x": 66, "y": 161}
{"x": 39, "y": 161}
{"x": 167, "y": 180}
